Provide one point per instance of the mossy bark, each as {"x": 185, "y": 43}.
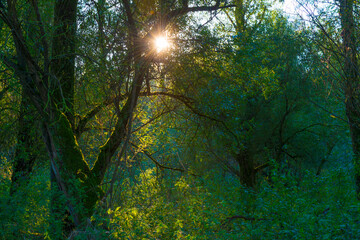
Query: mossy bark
{"x": 73, "y": 165}
{"x": 74, "y": 184}
{"x": 81, "y": 181}
{"x": 67, "y": 156}
{"x": 73, "y": 181}
{"x": 124, "y": 117}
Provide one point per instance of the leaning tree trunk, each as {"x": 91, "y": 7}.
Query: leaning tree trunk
{"x": 29, "y": 142}
{"x": 351, "y": 83}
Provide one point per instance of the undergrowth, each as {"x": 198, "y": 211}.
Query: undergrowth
{"x": 214, "y": 206}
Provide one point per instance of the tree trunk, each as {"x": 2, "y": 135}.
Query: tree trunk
{"x": 29, "y": 142}
{"x": 240, "y": 16}
{"x": 70, "y": 172}
{"x": 244, "y": 158}
{"x": 351, "y": 83}
{"x": 70, "y": 160}
{"x": 247, "y": 168}
{"x": 63, "y": 56}
{"x": 76, "y": 186}
{"x": 28, "y": 147}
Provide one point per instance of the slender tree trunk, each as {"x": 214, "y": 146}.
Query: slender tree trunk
{"x": 240, "y": 16}
{"x": 351, "y": 83}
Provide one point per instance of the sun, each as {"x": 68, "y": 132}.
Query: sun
{"x": 161, "y": 43}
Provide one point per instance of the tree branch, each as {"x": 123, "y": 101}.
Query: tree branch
{"x": 184, "y": 10}
{"x": 43, "y": 37}
{"x": 89, "y": 115}
{"x": 262, "y": 166}
{"x": 324, "y": 109}
{"x": 156, "y": 162}
{"x": 302, "y": 130}
{"x": 188, "y": 103}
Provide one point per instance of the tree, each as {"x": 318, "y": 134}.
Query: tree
{"x": 351, "y": 81}
{"x": 29, "y": 147}
{"x": 49, "y": 84}
{"x": 338, "y": 46}
{"x": 253, "y": 94}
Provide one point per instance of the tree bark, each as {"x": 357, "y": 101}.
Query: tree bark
{"x": 62, "y": 81}
{"x": 63, "y": 56}
{"x": 351, "y": 83}
{"x": 240, "y": 11}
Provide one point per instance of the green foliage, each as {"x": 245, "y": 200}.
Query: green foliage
{"x": 25, "y": 214}
{"x": 207, "y": 207}
{"x": 212, "y": 206}
{"x": 262, "y": 92}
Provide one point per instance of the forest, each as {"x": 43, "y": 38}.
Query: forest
{"x": 169, "y": 119}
